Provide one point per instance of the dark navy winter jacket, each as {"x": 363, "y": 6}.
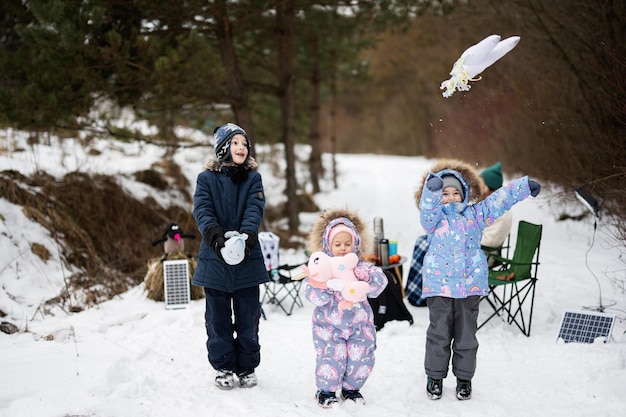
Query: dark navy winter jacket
{"x": 233, "y": 205}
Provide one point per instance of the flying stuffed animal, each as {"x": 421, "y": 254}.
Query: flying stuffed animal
{"x": 475, "y": 60}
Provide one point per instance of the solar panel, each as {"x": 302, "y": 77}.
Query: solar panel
{"x": 176, "y": 283}
{"x": 586, "y": 327}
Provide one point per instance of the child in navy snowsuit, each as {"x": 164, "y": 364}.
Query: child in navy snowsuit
{"x": 229, "y": 197}
{"x": 344, "y": 338}
{"x": 455, "y": 269}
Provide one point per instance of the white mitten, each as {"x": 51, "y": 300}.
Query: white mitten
{"x": 233, "y": 251}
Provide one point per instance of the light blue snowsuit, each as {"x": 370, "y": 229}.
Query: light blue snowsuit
{"x": 455, "y": 266}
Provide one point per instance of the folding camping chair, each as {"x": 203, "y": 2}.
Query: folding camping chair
{"x": 283, "y": 289}
{"x": 512, "y": 282}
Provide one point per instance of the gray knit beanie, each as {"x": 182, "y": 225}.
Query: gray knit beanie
{"x": 452, "y": 181}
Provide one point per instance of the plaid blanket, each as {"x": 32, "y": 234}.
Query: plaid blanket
{"x": 413, "y": 287}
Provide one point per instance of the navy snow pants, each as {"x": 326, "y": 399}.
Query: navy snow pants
{"x": 233, "y": 345}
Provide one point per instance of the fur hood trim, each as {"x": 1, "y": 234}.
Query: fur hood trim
{"x": 470, "y": 175}
{"x": 315, "y": 240}
{"x": 216, "y": 165}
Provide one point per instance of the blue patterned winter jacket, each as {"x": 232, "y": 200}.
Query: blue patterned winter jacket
{"x": 455, "y": 266}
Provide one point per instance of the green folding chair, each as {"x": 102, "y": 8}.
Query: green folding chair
{"x": 491, "y": 251}
{"x": 512, "y": 282}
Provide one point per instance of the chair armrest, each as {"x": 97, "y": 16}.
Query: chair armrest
{"x": 501, "y": 259}
{"x": 505, "y": 261}
{"x": 289, "y": 273}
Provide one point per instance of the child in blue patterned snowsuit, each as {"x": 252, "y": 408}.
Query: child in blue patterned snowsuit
{"x": 455, "y": 269}
{"x": 344, "y": 340}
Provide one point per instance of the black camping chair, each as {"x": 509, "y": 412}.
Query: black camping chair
{"x": 283, "y": 289}
{"x": 512, "y": 282}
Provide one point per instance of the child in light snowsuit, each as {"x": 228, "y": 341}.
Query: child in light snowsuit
{"x": 344, "y": 339}
{"x": 491, "y": 242}
{"x": 455, "y": 268}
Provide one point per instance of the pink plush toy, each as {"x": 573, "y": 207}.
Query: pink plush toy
{"x": 319, "y": 270}
{"x": 353, "y": 293}
{"x": 337, "y": 273}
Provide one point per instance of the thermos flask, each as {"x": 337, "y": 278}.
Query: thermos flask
{"x": 378, "y": 235}
{"x": 384, "y": 252}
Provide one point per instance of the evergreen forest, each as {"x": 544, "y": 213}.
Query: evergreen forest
{"x": 341, "y": 76}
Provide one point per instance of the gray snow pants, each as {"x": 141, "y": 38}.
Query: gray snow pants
{"x": 452, "y": 332}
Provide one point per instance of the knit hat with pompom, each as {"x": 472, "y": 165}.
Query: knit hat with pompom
{"x": 223, "y": 136}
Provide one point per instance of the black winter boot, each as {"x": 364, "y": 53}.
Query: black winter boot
{"x": 352, "y": 394}
{"x": 325, "y": 399}
{"x": 463, "y": 389}
{"x": 434, "y": 388}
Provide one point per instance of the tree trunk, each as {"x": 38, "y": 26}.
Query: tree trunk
{"x": 284, "y": 39}
{"x": 234, "y": 80}
{"x": 333, "y": 123}
{"x": 315, "y": 139}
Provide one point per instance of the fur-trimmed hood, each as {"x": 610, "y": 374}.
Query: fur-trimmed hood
{"x": 471, "y": 178}
{"x": 217, "y": 165}
{"x": 316, "y": 239}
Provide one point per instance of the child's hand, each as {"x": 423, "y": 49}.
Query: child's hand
{"x": 251, "y": 242}
{"x": 534, "y": 187}
{"x": 214, "y": 237}
{"x": 361, "y": 273}
{"x": 434, "y": 183}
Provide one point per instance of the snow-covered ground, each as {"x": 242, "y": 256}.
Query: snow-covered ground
{"x": 132, "y": 357}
